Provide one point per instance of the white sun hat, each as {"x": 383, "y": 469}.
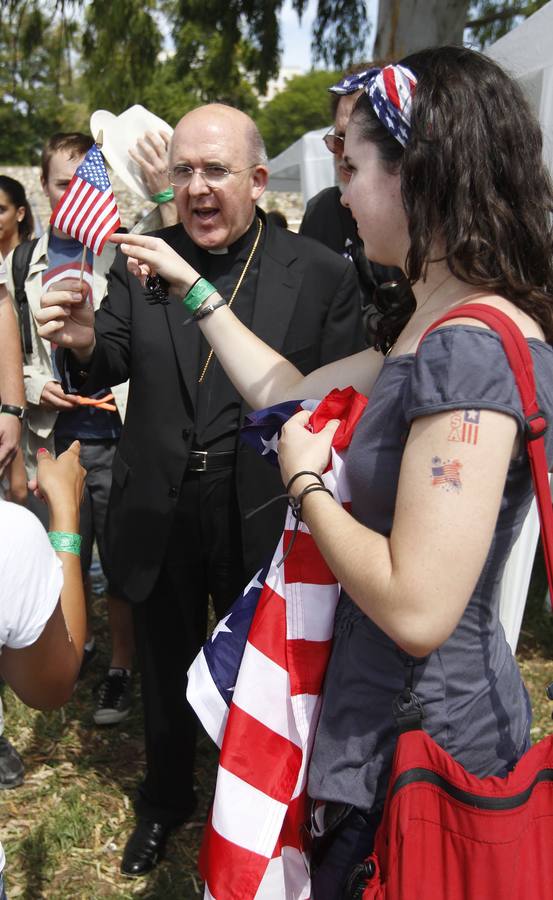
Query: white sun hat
{"x": 120, "y": 133}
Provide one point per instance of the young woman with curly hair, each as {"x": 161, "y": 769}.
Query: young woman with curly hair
{"x": 447, "y": 183}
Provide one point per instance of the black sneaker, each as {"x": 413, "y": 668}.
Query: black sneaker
{"x": 114, "y": 698}
{"x": 11, "y": 765}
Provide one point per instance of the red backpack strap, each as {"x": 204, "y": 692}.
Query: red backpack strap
{"x": 520, "y": 359}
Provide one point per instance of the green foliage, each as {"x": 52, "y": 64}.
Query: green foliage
{"x": 36, "y": 78}
{"x": 494, "y": 19}
{"x": 61, "y": 59}
{"x": 340, "y": 32}
{"x": 121, "y": 45}
{"x": 213, "y": 69}
{"x": 302, "y": 105}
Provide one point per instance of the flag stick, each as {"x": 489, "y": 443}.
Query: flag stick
{"x": 83, "y": 260}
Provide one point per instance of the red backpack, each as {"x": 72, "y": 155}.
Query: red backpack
{"x": 446, "y": 834}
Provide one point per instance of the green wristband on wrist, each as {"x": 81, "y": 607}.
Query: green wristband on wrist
{"x": 65, "y": 542}
{"x": 163, "y": 196}
{"x": 198, "y": 293}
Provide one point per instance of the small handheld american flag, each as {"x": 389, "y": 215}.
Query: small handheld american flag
{"x": 88, "y": 209}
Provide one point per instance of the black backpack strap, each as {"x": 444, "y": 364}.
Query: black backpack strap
{"x": 21, "y": 260}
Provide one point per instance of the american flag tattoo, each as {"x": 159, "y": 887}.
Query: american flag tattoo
{"x": 446, "y": 473}
{"x": 464, "y": 426}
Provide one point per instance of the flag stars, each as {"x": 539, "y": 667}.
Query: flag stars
{"x": 221, "y": 627}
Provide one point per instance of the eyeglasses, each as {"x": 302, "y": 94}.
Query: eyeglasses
{"x": 334, "y": 142}
{"x": 214, "y": 176}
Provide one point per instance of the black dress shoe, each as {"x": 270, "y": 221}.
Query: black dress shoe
{"x": 11, "y": 765}
{"x": 144, "y": 848}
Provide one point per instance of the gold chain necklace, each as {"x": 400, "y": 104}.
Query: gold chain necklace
{"x": 236, "y": 289}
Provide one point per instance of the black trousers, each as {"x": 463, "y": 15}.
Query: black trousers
{"x": 204, "y": 557}
{"x": 334, "y": 855}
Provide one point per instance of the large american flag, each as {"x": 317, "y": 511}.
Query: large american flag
{"x": 256, "y": 687}
{"x": 88, "y": 210}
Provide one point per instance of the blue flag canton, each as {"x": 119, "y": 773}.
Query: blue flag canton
{"x": 261, "y": 428}
{"x": 225, "y": 647}
{"x": 93, "y": 170}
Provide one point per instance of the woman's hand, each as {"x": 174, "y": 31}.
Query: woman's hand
{"x": 60, "y": 482}
{"x": 300, "y": 450}
{"x": 152, "y": 256}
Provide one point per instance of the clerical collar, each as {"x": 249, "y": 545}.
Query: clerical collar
{"x": 238, "y": 247}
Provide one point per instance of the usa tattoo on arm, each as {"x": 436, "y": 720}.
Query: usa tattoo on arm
{"x": 464, "y": 425}
{"x": 446, "y": 474}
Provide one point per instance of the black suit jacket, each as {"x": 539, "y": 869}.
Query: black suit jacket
{"x": 306, "y": 307}
{"x": 327, "y": 221}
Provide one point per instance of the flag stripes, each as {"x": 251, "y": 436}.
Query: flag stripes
{"x": 268, "y": 706}
{"x": 87, "y": 211}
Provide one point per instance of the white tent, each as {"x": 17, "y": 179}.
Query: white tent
{"x": 527, "y": 54}
{"x": 306, "y": 166}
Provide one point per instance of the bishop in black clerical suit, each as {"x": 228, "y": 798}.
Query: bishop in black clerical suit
{"x": 182, "y": 481}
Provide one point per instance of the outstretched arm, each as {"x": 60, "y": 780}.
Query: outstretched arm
{"x": 258, "y": 372}
{"x": 11, "y": 379}
{"x": 43, "y": 673}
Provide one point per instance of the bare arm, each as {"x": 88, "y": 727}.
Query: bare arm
{"x": 260, "y": 374}
{"x": 12, "y": 391}
{"x": 264, "y": 377}
{"x": 415, "y": 584}
{"x": 44, "y": 673}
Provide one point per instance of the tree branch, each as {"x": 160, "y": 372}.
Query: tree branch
{"x": 498, "y": 16}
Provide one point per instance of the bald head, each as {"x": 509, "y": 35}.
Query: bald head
{"x": 217, "y": 211}
{"x": 220, "y": 119}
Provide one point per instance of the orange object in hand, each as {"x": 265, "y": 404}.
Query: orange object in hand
{"x": 99, "y": 402}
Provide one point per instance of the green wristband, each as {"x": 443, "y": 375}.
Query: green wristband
{"x": 200, "y": 291}
{"x": 65, "y": 542}
{"x": 163, "y": 196}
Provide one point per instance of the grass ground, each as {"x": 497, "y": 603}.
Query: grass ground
{"x": 64, "y": 829}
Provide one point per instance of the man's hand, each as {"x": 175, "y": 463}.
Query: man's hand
{"x": 66, "y": 317}
{"x": 10, "y": 435}
{"x": 151, "y": 156}
{"x": 54, "y": 397}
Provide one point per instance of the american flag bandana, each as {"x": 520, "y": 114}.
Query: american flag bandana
{"x": 256, "y": 687}
{"x": 390, "y": 91}
{"x": 88, "y": 210}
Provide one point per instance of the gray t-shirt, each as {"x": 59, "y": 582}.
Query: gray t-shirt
{"x": 475, "y": 704}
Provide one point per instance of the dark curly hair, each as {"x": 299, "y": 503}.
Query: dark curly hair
{"x": 473, "y": 178}
{"x": 15, "y": 192}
